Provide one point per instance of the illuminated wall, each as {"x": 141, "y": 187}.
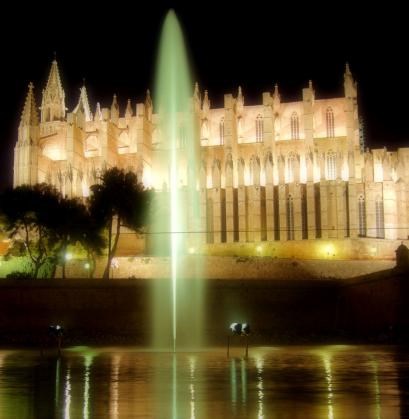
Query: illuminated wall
{"x": 270, "y": 171}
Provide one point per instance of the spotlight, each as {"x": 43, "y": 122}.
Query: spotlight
{"x": 245, "y": 329}
{"x": 68, "y": 256}
{"x": 55, "y": 330}
{"x": 240, "y": 329}
{"x": 236, "y": 328}
{"x": 87, "y": 266}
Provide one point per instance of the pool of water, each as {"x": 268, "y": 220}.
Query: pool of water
{"x": 273, "y": 382}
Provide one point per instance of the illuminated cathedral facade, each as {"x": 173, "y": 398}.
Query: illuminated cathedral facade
{"x": 275, "y": 171}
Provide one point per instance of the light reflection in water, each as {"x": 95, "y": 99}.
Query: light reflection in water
{"x": 260, "y": 388}
{"x": 243, "y": 381}
{"x": 377, "y": 391}
{"x": 87, "y": 364}
{"x": 328, "y": 376}
{"x": 114, "y": 387}
{"x": 233, "y": 381}
{"x": 174, "y": 387}
{"x": 328, "y": 382}
{"x": 57, "y": 382}
{"x": 192, "y": 365}
{"x": 67, "y": 394}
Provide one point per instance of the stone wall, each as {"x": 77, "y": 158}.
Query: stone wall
{"x": 225, "y": 267}
{"x": 119, "y": 311}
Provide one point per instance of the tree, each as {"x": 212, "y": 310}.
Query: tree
{"x": 119, "y": 201}
{"x": 93, "y": 242}
{"x": 72, "y": 223}
{"x": 26, "y": 211}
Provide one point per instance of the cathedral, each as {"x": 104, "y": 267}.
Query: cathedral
{"x": 272, "y": 172}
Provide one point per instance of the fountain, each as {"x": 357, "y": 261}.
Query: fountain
{"x": 177, "y": 304}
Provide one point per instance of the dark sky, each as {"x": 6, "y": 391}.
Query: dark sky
{"x": 230, "y": 44}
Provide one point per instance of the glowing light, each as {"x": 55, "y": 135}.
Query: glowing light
{"x": 260, "y": 387}
{"x": 67, "y": 395}
{"x": 329, "y": 250}
{"x": 68, "y": 256}
{"x": 87, "y": 364}
{"x": 114, "y": 388}
{"x": 328, "y": 376}
{"x": 192, "y": 388}
{"x": 192, "y": 250}
{"x": 377, "y": 390}
{"x": 87, "y": 266}
{"x": 259, "y": 249}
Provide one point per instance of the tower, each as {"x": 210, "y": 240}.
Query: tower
{"x": 26, "y": 149}
{"x": 53, "y": 101}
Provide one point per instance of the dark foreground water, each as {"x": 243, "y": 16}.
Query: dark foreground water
{"x": 274, "y": 382}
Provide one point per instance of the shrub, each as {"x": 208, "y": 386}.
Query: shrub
{"x": 19, "y": 275}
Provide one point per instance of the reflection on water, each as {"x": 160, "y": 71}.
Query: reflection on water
{"x": 67, "y": 393}
{"x": 328, "y": 376}
{"x": 309, "y": 382}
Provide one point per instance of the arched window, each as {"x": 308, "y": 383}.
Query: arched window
{"x": 290, "y": 218}
{"x": 380, "y": 226}
{"x": 290, "y": 168}
{"x": 361, "y": 216}
{"x": 259, "y": 129}
{"x": 330, "y": 123}
{"x": 295, "y": 127}
{"x": 221, "y": 131}
{"x": 331, "y": 165}
{"x": 204, "y": 134}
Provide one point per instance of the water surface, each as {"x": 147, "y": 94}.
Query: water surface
{"x": 274, "y": 382}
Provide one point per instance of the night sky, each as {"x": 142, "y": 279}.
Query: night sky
{"x": 230, "y": 45}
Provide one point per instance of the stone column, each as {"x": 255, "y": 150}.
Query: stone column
{"x": 217, "y": 202}
{"x": 390, "y": 210}
{"x": 269, "y": 197}
{"x": 229, "y": 199}
{"x": 310, "y": 192}
{"x": 282, "y": 199}
{"x": 401, "y": 200}
{"x": 241, "y": 198}
{"x": 341, "y": 209}
{"x": 254, "y": 203}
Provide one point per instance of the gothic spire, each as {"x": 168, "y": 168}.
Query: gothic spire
{"x": 128, "y": 110}
{"x": 350, "y": 85}
{"x": 84, "y": 104}
{"x": 53, "y": 101}
{"x": 29, "y": 115}
{"x": 196, "y": 93}
{"x": 148, "y": 105}
{"x": 98, "y": 113}
{"x": 276, "y": 98}
{"x": 206, "y": 103}
{"x": 114, "y": 109}
{"x": 240, "y": 102}
{"x": 148, "y": 100}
